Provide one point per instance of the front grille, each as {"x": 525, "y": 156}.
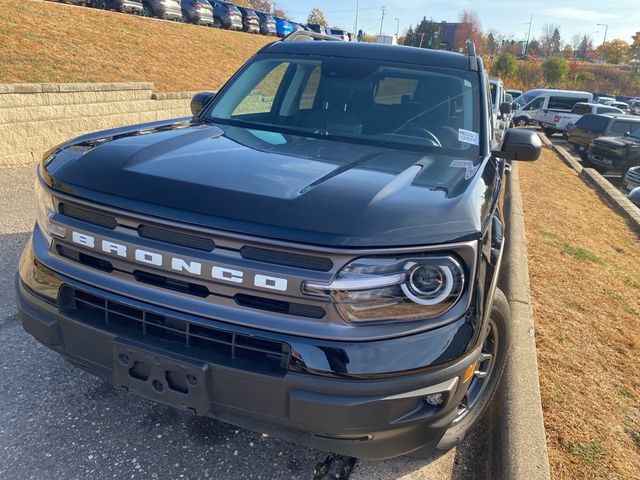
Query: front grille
{"x": 84, "y": 259}
{"x": 88, "y": 215}
{"x": 633, "y": 176}
{"x": 602, "y": 151}
{"x": 175, "y": 237}
{"x": 194, "y": 340}
{"x": 309, "y": 262}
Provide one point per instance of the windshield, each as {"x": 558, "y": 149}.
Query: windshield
{"x": 636, "y": 134}
{"x": 356, "y": 100}
{"x": 525, "y": 98}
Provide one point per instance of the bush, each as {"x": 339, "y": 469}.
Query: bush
{"x": 554, "y": 70}
{"x": 506, "y": 65}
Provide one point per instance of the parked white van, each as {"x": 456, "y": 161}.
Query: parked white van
{"x": 533, "y": 103}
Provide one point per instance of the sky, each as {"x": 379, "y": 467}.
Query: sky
{"x": 509, "y": 17}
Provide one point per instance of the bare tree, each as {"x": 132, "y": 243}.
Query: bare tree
{"x": 469, "y": 29}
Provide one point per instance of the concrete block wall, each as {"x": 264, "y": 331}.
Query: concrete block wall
{"x": 35, "y": 117}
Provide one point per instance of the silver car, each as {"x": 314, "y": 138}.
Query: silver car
{"x": 166, "y": 9}
{"x": 198, "y": 12}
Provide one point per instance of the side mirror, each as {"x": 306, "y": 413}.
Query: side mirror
{"x": 514, "y": 107}
{"x": 199, "y": 101}
{"x": 520, "y": 144}
{"x": 506, "y": 108}
{"x": 634, "y": 196}
{"x": 627, "y": 134}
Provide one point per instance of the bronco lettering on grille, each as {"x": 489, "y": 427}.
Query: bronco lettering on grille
{"x": 177, "y": 264}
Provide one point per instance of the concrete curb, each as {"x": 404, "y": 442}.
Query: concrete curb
{"x": 523, "y": 449}
{"x": 610, "y": 194}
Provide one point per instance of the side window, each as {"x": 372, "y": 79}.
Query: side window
{"x": 536, "y": 104}
{"x": 563, "y": 103}
{"x": 310, "y": 90}
{"x": 392, "y": 91}
{"x": 621, "y": 127}
{"x": 593, "y": 123}
{"x": 581, "y": 109}
{"x": 260, "y": 99}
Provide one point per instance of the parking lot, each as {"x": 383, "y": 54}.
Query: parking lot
{"x": 59, "y": 422}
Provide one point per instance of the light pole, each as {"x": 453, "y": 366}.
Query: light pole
{"x": 355, "y": 25}
{"x": 606, "y": 29}
{"x": 526, "y": 47}
{"x": 397, "y": 19}
{"x": 384, "y": 11}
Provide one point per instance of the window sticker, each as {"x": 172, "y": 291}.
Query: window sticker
{"x": 468, "y": 136}
{"x": 470, "y": 168}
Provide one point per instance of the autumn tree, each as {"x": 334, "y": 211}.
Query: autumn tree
{"x": 317, "y": 17}
{"x": 469, "y": 29}
{"x": 615, "y": 51}
{"x": 634, "y": 50}
{"x": 261, "y": 5}
{"x": 567, "y": 52}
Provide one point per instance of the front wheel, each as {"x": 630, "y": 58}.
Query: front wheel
{"x": 521, "y": 122}
{"x": 549, "y": 131}
{"x": 146, "y": 11}
{"x": 488, "y": 374}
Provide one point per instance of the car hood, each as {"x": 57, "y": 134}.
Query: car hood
{"x": 269, "y": 184}
{"x": 617, "y": 142}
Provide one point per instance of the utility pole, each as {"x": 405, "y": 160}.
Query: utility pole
{"x": 355, "y": 25}
{"x": 397, "y": 19}
{"x": 606, "y": 29}
{"x": 384, "y": 11}
{"x": 526, "y": 47}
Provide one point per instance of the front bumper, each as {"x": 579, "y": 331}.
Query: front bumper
{"x": 314, "y": 401}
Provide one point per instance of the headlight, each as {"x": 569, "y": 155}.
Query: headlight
{"x": 45, "y": 211}
{"x": 378, "y": 289}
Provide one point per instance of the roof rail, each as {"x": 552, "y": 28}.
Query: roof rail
{"x": 306, "y": 36}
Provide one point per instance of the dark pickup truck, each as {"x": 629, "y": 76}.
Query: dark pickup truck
{"x": 314, "y": 253}
{"x": 617, "y": 154}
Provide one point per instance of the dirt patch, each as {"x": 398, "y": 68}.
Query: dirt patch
{"x": 585, "y": 282}
{"x": 50, "y": 42}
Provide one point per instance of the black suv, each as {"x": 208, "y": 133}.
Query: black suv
{"x": 617, "y": 154}
{"x": 314, "y": 253}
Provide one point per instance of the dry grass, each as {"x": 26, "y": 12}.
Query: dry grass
{"x": 585, "y": 280}
{"x": 51, "y": 42}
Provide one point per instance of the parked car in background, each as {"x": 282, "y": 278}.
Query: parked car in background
{"x": 283, "y": 27}
{"x": 514, "y": 93}
{"x": 267, "y": 23}
{"x": 226, "y": 15}
{"x": 533, "y": 111}
{"x": 341, "y": 34}
{"x": 634, "y": 196}
{"x": 166, "y": 9}
{"x": 501, "y": 119}
{"x": 315, "y": 27}
{"x": 615, "y": 153}
{"x": 621, "y": 105}
{"x": 250, "y": 20}
{"x": 592, "y": 126}
{"x": 297, "y": 27}
{"x": 198, "y": 12}
{"x": 634, "y": 107}
{"x": 632, "y": 178}
{"x": 125, "y": 6}
{"x": 556, "y": 122}
{"x": 604, "y": 100}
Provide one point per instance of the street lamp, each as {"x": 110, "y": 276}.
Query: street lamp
{"x": 606, "y": 29}
{"x": 397, "y": 19}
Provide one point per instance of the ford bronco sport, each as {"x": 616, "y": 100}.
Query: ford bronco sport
{"x": 314, "y": 253}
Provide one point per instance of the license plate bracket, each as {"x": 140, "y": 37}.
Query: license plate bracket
{"x": 173, "y": 381}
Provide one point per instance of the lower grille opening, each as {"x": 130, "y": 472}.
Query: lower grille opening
{"x": 84, "y": 259}
{"x": 203, "y": 342}
{"x": 279, "y": 306}
{"x": 171, "y": 284}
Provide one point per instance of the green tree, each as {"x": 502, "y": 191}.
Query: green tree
{"x": 316, "y": 16}
{"x": 554, "y": 70}
{"x": 634, "y": 50}
{"x": 567, "y": 52}
{"x": 505, "y": 65}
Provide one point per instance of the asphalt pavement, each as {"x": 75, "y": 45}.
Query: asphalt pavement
{"x": 57, "y": 421}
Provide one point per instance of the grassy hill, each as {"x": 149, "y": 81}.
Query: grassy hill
{"x": 51, "y": 42}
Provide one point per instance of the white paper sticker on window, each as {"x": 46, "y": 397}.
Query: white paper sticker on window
{"x": 468, "y": 136}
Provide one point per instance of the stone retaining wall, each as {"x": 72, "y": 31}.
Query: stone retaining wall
{"x": 35, "y": 117}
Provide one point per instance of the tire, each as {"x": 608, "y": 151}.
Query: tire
{"x": 217, "y": 23}
{"x": 146, "y": 11}
{"x": 521, "y": 122}
{"x": 548, "y": 131}
{"x": 500, "y": 319}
